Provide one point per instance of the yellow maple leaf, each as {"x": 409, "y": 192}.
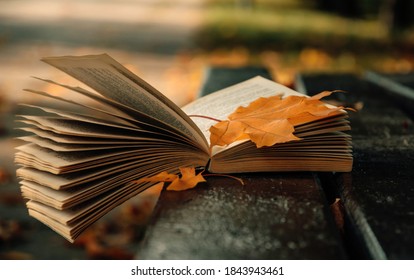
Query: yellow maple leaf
{"x": 189, "y": 179}
{"x": 271, "y": 120}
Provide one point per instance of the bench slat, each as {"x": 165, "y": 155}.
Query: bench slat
{"x": 217, "y": 78}
{"x": 273, "y": 216}
{"x": 379, "y": 193}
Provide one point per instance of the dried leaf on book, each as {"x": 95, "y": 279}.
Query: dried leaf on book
{"x": 271, "y": 120}
{"x": 188, "y": 179}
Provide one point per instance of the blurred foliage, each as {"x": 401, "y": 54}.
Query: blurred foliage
{"x": 296, "y": 24}
{"x": 292, "y": 36}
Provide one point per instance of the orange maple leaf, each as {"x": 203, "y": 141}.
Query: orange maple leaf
{"x": 267, "y": 121}
{"x": 189, "y": 179}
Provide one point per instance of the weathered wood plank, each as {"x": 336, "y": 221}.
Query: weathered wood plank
{"x": 217, "y": 78}
{"x": 273, "y": 216}
{"x": 379, "y": 193}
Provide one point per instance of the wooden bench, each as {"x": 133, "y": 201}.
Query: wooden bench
{"x": 289, "y": 215}
{"x": 378, "y": 195}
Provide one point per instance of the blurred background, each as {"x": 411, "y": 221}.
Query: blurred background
{"x": 170, "y": 43}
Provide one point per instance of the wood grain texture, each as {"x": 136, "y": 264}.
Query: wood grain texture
{"x": 273, "y": 216}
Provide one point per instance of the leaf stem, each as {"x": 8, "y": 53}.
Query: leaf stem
{"x": 224, "y": 175}
{"x": 204, "y": 117}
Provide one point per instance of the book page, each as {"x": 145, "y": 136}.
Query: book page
{"x": 222, "y": 103}
{"x": 68, "y": 139}
{"x": 112, "y": 80}
{"x": 108, "y": 111}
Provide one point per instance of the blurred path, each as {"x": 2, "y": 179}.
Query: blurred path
{"x": 147, "y": 34}
{"x": 150, "y": 25}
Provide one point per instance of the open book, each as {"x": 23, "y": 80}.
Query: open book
{"x": 81, "y": 159}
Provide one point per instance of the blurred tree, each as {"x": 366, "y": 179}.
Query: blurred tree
{"x": 397, "y": 14}
{"x": 394, "y": 14}
{"x": 348, "y": 8}
{"x": 245, "y": 4}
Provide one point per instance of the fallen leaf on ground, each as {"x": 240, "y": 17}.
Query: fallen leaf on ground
{"x": 93, "y": 241}
{"x": 4, "y": 176}
{"x": 15, "y": 255}
{"x": 10, "y": 231}
{"x": 271, "y": 120}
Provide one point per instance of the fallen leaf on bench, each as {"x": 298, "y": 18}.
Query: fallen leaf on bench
{"x": 188, "y": 179}
{"x": 337, "y": 209}
{"x": 267, "y": 121}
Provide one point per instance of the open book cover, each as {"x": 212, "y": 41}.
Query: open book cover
{"x": 82, "y": 159}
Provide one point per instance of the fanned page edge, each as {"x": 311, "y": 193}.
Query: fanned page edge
{"x": 190, "y": 154}
{"x": 77, "y": 67}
